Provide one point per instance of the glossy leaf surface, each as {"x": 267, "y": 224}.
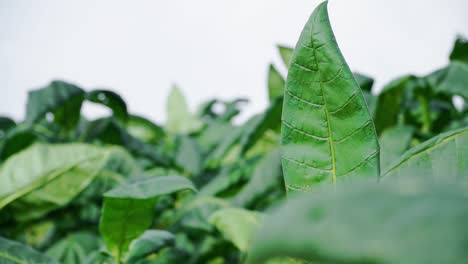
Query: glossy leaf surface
{"x": 327, "y": 132}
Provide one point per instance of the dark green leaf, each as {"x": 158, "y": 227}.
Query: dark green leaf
{"x": 365, "y": 82}
{"x": 327, "y": 132}
{"x": 406, "y": 222}
{"x": 17, "y": 139}
{"x": 111, "y": 100}
{"x": 128, "y": 210}
{"x": 442, "y": 157}
{"x": 460, "y": 50}
{"x": 12, "y": 252}
{"x": 390, "y": 103}
{"x": 5, "y": 124}
{"x": 59, "y": 98}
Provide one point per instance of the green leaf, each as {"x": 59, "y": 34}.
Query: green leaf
{"x": 256, "y": 127}
{"x": 275, "y": 83}
{"x": 327, "y": 132}
{"x": 179, "y": 118}
{"x": 365, "y": 82}
{"x": 460, "y": 50}
{"x": 13, "y": 252}
{"x": 390, "y": 103}
{"x": 5, "y": 124}
{"x": 442, "y": 157}
{"x": 45, "y": 177}
{"x": 266, "y": 177}
{"x": 150, "y": 242}
{"x": 128, "y": 210}
{"x": 108, "y": 131}
{"x": 393, "y": 143}
{"x": 144, "y": 130}
{"x": 405, "y": 222}
{"x": 454, "y": 80}
{"x": 111, "y": 100}
{"x": 188, "y": 155}
{"x": 59, "y": 98}
{"x": 237, "y": 225}
{"x": 17, "y": 139}
{"x": 74, "y": 248}
{"x": 286, "y": 54}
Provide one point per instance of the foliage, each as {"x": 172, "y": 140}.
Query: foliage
{"x": 385, "y": 169}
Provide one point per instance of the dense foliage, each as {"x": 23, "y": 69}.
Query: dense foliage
{"x": 370, "y": 178}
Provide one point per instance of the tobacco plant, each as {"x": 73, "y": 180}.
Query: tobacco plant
{"x": 330, "y": 172}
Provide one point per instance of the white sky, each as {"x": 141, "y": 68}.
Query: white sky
{"x": 211, "y": 48}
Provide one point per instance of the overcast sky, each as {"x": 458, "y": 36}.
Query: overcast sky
{"x": 210, "y": 48}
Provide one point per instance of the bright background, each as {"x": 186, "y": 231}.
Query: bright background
{"x": 210, "y": 48}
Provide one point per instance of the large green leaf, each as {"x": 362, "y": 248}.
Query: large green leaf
{"x": 59, "y": 98}
{"x": 74, "y": 248}
{"x": 406, "y": 222}
{"x": 327, "y": 132}
{"x": 275, "y": 83}
{"x": 237, "y": 225}
{"x": 150, "y": 242}
{"x": 393, "y": 143}
{"x": 442, "y": 157}
{"x": 44, "y": 177}
{"x": 179, "y": 117}
{"x": 12, "y": 252}
{"x": 128, "y": 210}
{"x": 111, "y": 100}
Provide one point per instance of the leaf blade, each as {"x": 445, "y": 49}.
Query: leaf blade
{"x": 324, "y": 113}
